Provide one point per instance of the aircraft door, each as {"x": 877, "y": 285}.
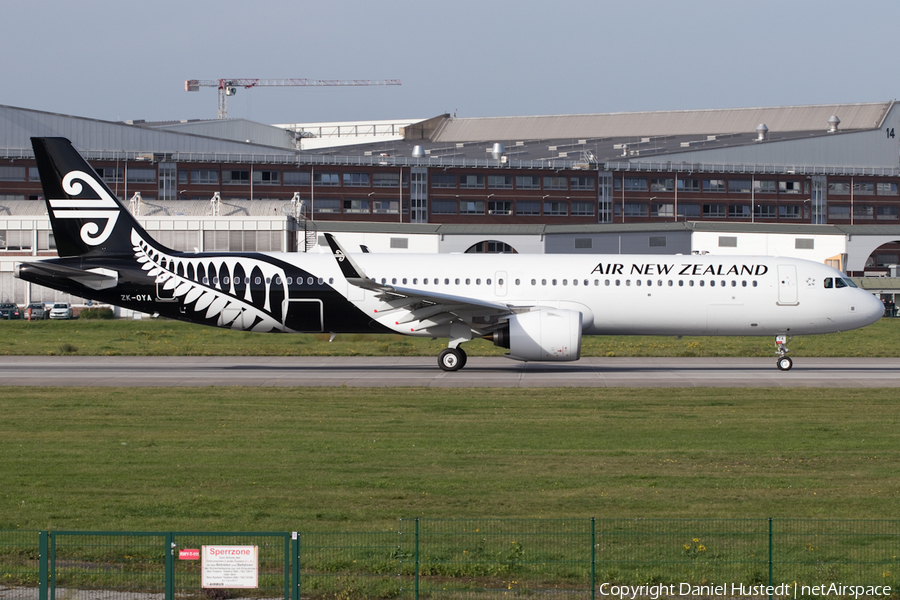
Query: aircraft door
{"x": 165, "y": 293}
{"x": 306, "y": 314}
{"x": 787, "y": 285}
{"x": 501, "y": 283}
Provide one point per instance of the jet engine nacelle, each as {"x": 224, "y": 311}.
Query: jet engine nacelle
{"x": 546, "y": 334}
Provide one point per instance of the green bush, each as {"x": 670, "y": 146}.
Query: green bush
{"x": 96, "y": 313}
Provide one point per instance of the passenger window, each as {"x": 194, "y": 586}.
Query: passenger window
{"x": 225, "y": 280}
{"x": 446, "y": 281}
{"x": 638, "y": 283}
{"x": 627, "y": 282}
{"x": 574, "y": 282}
{"x": 691, "y": 283}
{"x": 711, "y": 283}
{"x": 829, "y": 283}
{"x": 733, "y": 283}
{"x": 702, "y": 283}
{"x": 500, "y": 281}
{"x": 487, "y": 281}
{"x": 596, "y": 282}
{"x": 415, "y": 280}
{"x": 543, "y": 282}
{"x": 518, "y": 281}
{"x": 456, "y": 281}
{"x": 206, "y": 281}
{"x": 383, "y": 281}
{"x": 310, "y": 281}
{"x": 670, "y": 283}
{"x": 290, "y": 280}
{"x": 331, "y": 280}
{"x": 394, "y": 281}
{"x": 618, "y": 282}
{"x": 681, "y": 283}
{"x": 744, "y": 283}
{"x": 607, "y": 282}
{"x": 257, "y": 280}
{"x": 534, "y": 282}
{"x": 565, "y": 282}
{"x": 754, "y": 284}
{"x": 478, "y": 282}
{"x": 268, "y": 280}
{"x": 277, "y": 280}
{"x": 468, "y": 281}
{"x": 425, "y": 281}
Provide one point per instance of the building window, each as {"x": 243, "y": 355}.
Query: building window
{"x": 765, "y": 186}
{"x": 45, "y": 240}
{"x": 804, "y": 243}
{"x": 386, "y": 207}
{"x": 326, "y": 205}
{"x": 207, "y": 176}
{"x": 789, "y": 211}
{"x": 528, "y": 182}
{"x": 887, "y": 213}
{"x": 714, "y": 211}
{"x": 467, "y": 207}
{"x": 556, "y": 209}
{"x": 583, "y": 243}
{"x": 402, "y": 243}
{"x": 861, "y": 211}
{"x": 141, "y": 175}
{"x": 635, "y": 184}
{"x": 296, "y": 178}
{"x": 662, "y": 185}
{"x": 739, "y": 186}
{"x": 863, "y": 188}
{"x": 887, "y": 189}
{"x": 443, "y": 207}
{"x": 471, "y": 182}
{"x": 264, "y": 177}
{"x": 235, "y": 177}
{"x": 500, "y": 208}
{"x": 662, "y": 210}
{"x": 657, "y": 241}
{"x": 15, "y": 239}
{"x": 110, "y": 174}
{"x": 16, "y": 174}
{"x": 500, "y": 182}
{"x": 839, "y": 188}
{"x": 356, "y": 206}
{"x": 443, "y": 180}
{"x": 582, "y": 209}
{"x": 635, "y": 209}
{"x": 585, "y": 182}
{"x": 790, "y": 187}
{"x": 838, "y": 212}
{"x": 356, "y": 179}
{"x": 689, "y": 210}
{"x": 326, "y": 179}
{"x": 555, "y": 183}
{"x": 528, "y": 208}
{"x": 714, "y": 185}
{"x": 765, "y": 211}
{"x": 688, "y": 185}
{"x": 389, "y": 180}
{"x": 727, "y": 241}
{"x": 739, "y": 211}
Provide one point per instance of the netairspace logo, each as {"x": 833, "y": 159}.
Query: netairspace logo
{"x": 733, "y": 590}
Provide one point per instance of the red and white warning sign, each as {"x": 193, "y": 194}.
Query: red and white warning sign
{"x": 230, "y": 567}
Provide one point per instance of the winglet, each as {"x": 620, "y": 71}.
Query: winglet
{"x": 352, "y": 271}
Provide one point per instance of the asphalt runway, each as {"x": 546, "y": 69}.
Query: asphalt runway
{"x": 142, "y": 371}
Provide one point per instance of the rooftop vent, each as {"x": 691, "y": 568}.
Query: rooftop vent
{"x": 418, "y": 152}
{"x": 498, "y": 150}
{"x": 761, "y": 132}
{"x": 833, "y": 123}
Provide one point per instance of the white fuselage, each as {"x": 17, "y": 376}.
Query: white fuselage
{"x": 625, "y": 294}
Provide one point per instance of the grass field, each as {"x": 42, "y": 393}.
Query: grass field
{"x": 173, "y": 338}
{"x": 338, "y": 459}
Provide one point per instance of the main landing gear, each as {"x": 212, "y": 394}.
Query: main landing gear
{"x": 452, "y": 359}
{"x": 784, "y": 362}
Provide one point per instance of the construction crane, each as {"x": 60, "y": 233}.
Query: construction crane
{"x": 228, "y": 87}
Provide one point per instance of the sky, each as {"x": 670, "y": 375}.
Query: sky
{"x": 127, "y": 60}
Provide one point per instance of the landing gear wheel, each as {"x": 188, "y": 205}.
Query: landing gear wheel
{"x": 463, "y": 357}
{"x": 451, "y": 359}
{"x": 784, "y": 363}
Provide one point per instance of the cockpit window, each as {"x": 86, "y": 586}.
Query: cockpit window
{"x": 829, "y": 283}
{"x": 849, "y": 282}
{"x": 838, "y": 282}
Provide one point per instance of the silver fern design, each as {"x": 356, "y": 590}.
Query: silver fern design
{"x": 217, "y": 286}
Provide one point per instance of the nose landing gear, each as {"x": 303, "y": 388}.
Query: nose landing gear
{"x": 784, "y": 362}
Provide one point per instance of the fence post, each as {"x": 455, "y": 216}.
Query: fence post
{"x": 417, "y": 559}
{"x": 770, "y": 557}
{"x": 43, "y": 570}
{"x": 295, "y": 543}
{"x": 170, "y": 566}
{"x": 288, "y": 545}
{"x": 593, "y": 558}
{"x": 52, "y": 566}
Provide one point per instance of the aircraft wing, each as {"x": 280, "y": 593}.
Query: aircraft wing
{"x": 425, "y": 308}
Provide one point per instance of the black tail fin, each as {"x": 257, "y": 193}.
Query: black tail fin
{"x": 86, "y": 217}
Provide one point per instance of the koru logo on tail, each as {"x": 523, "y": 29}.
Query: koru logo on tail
{"x": 105, "y": 208}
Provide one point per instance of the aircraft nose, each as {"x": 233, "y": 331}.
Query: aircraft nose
{"x": 870, "y": 307}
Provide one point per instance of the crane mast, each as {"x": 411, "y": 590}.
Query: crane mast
{"x": 228, "y": 87}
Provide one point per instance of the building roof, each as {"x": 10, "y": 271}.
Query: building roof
{"x": 663, "y": 123}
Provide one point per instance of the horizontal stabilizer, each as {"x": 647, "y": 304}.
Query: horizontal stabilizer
{"x": 96, "y": 279}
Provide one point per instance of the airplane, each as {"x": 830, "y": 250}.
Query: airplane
{"x": 537, "y": 306}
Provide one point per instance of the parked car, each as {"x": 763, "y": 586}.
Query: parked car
{"x": 8, "y": 310}
{"x": 37, "y": 311}
{"x": 61, "y": 310}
